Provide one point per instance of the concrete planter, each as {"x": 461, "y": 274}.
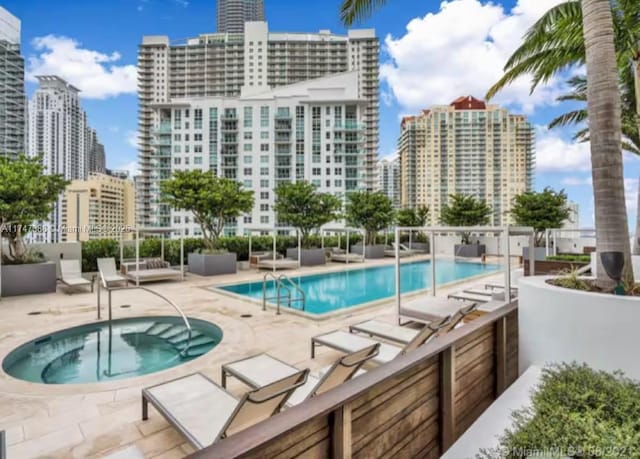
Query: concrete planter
{"x": 309, "y": 257}
{"x": 469, "y": 250}
{"x": 243, "y": 266}
{"x": 371, "y": 251}
{"x": 562, "y": 325}
{"x": 29, "y": 279}
{"x": 205, "y": 264}
{"x": 539, "y": 253}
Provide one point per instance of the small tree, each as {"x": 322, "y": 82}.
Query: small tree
{"x": 371, "y": 211}
{"x": 212, "y": 200}
{"x": 413, "y": 217}
{"x": 300, "y": 205}
{"x": 541, "y": 210}
{"x": 26, "y": 195}
{"x": 463, "y": 210}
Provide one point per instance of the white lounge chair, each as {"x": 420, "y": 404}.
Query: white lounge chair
{"x": 262, "y": 369}
{"x": 108, "y": 273}
{"x": 348, "y": 342}
{"x": 426, "y": 309}
{"x": 516, "y": 274}
{"x": 71, "y": 275}
{"x": 464, "y": 296}
{"x": 204, "y": 412}
{"x": 401, "y": 334}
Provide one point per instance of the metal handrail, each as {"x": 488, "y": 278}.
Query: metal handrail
{"x": 297, "y": 288}
{"x": 159, "y": 295}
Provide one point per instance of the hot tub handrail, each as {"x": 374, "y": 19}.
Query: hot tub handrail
{"x": 159, "y": 295}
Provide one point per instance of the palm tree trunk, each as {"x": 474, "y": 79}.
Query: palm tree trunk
{"x": 636, "y": 80}
{"x": 604, "y": 107}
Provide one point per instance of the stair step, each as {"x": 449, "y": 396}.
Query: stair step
{"x": 195, "y": 341}
{"x": 195, "y": 351}
{"x": 182, "y": 336}
{"x": 161, "y": 329}
{"x": 153, "y": 328}
{"x": 171, "y": 331}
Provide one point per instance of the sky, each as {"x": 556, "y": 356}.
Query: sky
{"x": 431, "y": 53}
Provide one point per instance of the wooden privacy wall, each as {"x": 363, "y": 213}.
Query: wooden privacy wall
{"x": 413, "y": 407}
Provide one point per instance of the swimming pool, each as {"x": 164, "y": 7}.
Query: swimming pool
{"x": 329, "y": 292}
{"x": 102, "y": 352}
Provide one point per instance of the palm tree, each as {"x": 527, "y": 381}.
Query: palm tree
{"x": 605, "y": 126}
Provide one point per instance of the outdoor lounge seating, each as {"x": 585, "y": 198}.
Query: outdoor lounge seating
{"x": 150, "y": 269}
{"x": 401, "y": 334}
{"x": 427, "y": 309}
{"x": 266, "y": 261}
{"x": 71, "y": 275}
{"x": 204, "y": 412}
{"x": 473, "y": 297}
{"x": 262, "y": 369}
{"x": 403, "y": 252}
{"x": 515, "y": 275}
{"x": 340, "y": 255}
{"x": 348, "y": 342}
{"x": 108, "y": 273}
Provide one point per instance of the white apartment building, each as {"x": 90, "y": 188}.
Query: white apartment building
{"x": 244, "y": 67}
{"x": 309, "y": 131}
{"x": 389, "y": 179}
{"x": 59, "y": 132}
{"x": 12, "y": 96}
{"x": 465, "y": 147}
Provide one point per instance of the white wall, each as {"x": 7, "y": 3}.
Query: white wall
{"x": 495, "y": 245}
{"x": 562, "y": 325}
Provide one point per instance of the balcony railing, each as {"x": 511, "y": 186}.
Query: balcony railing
{"x": 418, "y": 404}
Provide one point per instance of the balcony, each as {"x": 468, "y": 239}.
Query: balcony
{"x": 348, "y": 126}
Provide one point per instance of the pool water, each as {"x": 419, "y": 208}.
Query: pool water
{"x": 99, "y": 352}
{"x": 329, "y": 292}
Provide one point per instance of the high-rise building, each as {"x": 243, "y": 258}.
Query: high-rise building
{"x": 465, "y": 147}
{"x": 238, "y": 70}
{"x": 101, "y": 207}
{"x": 96, "y": 161}
{"x": 12, "y": 95}
{"x": 389, "y": 179}
{"x": 232, "y": 14}
{"x": 309, "y": 131}
{"x": 59, "y": 132}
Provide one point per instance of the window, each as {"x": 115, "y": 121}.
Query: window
{"x": 177, "y": 119}
{"x": 264, "y": 207}
{"x": 264, "y": 147}
{"x": 328, "y": 171}
{"x": 248, "y": 117}
{"x": 264, "y": 134}
{"x": 248, "y": 159}
{"x": 248, "y": 135}
{"x": 248, "y": 171}
{"x": 337, "y": 171}
{"x": 197, "y": 137}
{"x": 186, "y": 148}
{"x": 264, "y": 183}
{"x": 197, "y": 118}
{"x": 264, "y": 171}
{"x": 316, "y": 171}
{"x": 248, "y": 183}
{"x": 177, "y": 137}
{"x": 264, "y": 116}
{"x": 264, "y": 219}
{"x": 264, "y": 195}
{"x": 186, "y": 125}
{"x": 327, "y": 111}
{"x": 248, "y": 147}
{"x": 197, "y": 148}
{"x": 315, "y": 183}
{"x": 328, "y": 147}
{"x": 247, "y": 219}
{"x": 177, "y": 160}
{"x": 264, "y": 159}
{"x": 176, "y": 148}
{"x": 186, "y": 161}
{"x": 197, "y": 160}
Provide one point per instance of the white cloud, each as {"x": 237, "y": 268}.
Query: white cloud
{"x": 461, "y": 50}
{"x": 577, "y": 181}
{"x": 131, "y": 166}
{"x": 94, "y": 73}
{"x": 554, "y": 154}
{"x": 132, "y": 138}
{"x": 631, "y": 196}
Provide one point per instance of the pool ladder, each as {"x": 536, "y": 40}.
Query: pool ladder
{"x": 279, "y": 288}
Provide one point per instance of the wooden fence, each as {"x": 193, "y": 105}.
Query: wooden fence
{"x": 415, "y": 406}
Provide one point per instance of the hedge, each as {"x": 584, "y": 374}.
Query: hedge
{"x": 576, "y": 258}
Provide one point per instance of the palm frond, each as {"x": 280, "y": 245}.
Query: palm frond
{"x": 572, "y": 117}
{"x": 352, "y": 11}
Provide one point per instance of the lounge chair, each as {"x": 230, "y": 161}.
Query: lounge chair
{"x": 71, "y": 275}
{"x": 262, "y": 369}
{"x": 204, "y": 412}
{"x": 403, "y": 335}
{"x": 278, "y": 263}
{"x": 515, "y": 275}
{"x": 427, "y": 309}
{"x": 464, "y": 296}
{"x": 340, "y": 255}
{"x": 348, "y": 342}
{"x": 108, "y": 273}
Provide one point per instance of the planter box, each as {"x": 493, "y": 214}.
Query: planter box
{"x": 539, "y": 253}
{"x": 562, "y": 325}
{"x": 469, "y": 250}
{"x": 553, "y": 267}
{"x": 310, "y": 257}
{"x": 243, "y": 265}
{"x": 212, "y": 264}
{"x": 371, "y": 251}
{"x": 29, "y": 279}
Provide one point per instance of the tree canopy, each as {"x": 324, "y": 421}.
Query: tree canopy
{"x": 541, "y": 210}
{"x": 26, "y": 195}
{"x": 300, "y": 205}
{"x": 465, "y": 210}
{"x": 413, "y": 217}
{"x": 212, "y": 200}
{"x": 371, "y": 211}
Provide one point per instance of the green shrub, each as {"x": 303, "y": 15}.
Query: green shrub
{"x": 572, "y": 280}
{"x": 576, "y": 408}
{"x": 570, "y": 257}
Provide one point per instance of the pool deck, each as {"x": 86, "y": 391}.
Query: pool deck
{"x": 95, "y": 420}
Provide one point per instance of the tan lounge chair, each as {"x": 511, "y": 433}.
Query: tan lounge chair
{"x": 204, "y": 412}
{"x": 108, "y": 273}
{"x": 348, "y": 342}
{"x": 473, "y": 297}
{"x": 427, "y": 309}
{"x": 71, "y": 275}
{"x": 262, "y": 369}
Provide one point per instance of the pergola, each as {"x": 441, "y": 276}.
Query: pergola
{"x": 550, "y": 235}
{"x": 153, "y": 231}
{"x": 274, "y": 232}
{"x": 505, "y": 231}
{"x": 346, "y": 230}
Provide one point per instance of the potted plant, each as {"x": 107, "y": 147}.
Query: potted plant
{"x": 26, "y": 196}
{"x": 540, "y": 210}
{"x": 463, "y": 210}
{"x": 415, "y": 217}
{"x": 373, "y": 212}
{"x": 300, "y": 205}
{"x": 212, "y": 201}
